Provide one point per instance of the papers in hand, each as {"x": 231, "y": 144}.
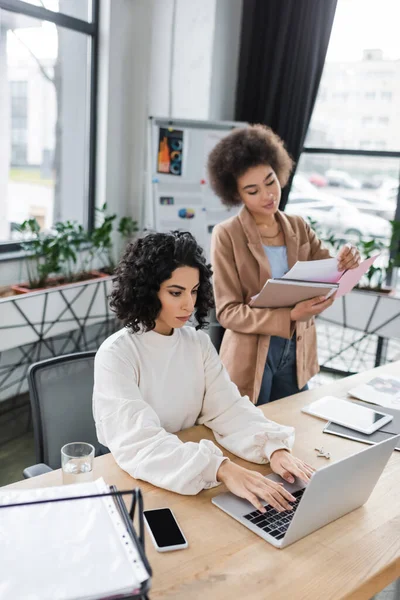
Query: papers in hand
{"x": 324, "y": 271}
{"x": 309, "y": 279}
{"x": 383, "y": 390}
{"x": 76, "y": 550}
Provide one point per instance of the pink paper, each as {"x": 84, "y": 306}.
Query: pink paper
{"x": 351, "y": 277}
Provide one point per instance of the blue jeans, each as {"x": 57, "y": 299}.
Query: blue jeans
{"x": 279, "y": 378}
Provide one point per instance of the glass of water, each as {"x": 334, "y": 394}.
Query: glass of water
{"x": 77, "y": 462}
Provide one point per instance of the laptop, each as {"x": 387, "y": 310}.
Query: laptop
{"x": 332, "y": 492}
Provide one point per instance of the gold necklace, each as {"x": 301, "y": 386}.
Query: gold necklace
{"x": 270, "y": 237}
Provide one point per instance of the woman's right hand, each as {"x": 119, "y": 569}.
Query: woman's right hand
{"x": 303, "y": 311}
{"x": 254, "y": 487}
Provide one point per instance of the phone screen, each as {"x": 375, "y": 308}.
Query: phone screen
{"x": 164, "y": 527}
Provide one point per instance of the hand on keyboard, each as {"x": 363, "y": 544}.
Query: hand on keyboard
{"x": 254, "y": 487}
{"x": 288, "y": 466}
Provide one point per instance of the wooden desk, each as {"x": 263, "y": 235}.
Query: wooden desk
{"x": 354, "y": 557}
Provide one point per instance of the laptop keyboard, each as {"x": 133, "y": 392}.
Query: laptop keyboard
{"x": 273, "y": 522}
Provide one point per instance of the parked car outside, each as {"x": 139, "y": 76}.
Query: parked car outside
{"x": 318, "y": 180}
{"x": 338, "y": 216}
{"x": 368, "y": 201}
{"x": 337, "y": 178}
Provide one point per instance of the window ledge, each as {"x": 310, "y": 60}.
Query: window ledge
{"x": 13, "y": 255}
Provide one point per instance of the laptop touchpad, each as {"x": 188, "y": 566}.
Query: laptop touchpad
{"x": 290, "y": 487}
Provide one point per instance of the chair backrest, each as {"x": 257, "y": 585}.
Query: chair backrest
{"x": 60, "y": 392}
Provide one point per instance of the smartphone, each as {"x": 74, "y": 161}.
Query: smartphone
{"x": 348, "y": 414}
{"x": 164, "y": 530}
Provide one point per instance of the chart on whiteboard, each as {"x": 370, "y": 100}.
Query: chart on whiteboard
{"x": 183, "y": 212}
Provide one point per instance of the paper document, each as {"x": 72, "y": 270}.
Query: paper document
{"x": 75, "y": 550}
{"x": 309, "y": 279}
{"x": 351, "y": 277}
{"x": 323, "y": 271}
{"x": 383, "y": 390}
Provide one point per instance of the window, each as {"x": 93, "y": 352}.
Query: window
{"x": 364, "y": 63}
{"x": 322, "y": 208}
{"x": 352, "y": 149}
{"x": 300, "y": 200}
{"x": 73, "y": 8}
{"x": 48, "y": 54}
{"x": 19, "y": 122}
{"x": 367, "y": 120}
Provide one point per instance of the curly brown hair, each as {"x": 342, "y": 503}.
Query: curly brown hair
{"x": 240, "y": 150}
{"x": 146, "y": 263}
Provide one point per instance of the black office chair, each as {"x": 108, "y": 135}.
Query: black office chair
{"x": 215, "y": 331}
{"x": 60, "y": 391}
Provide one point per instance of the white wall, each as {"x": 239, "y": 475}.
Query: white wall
{"x": 125, "y": 35}
{"x": 194, "y": 58}
{"x": 225, "y": 60}
{"x": 181, "y": 58}
{"x": 4, "y": 133}
{"x": 137, "y": 42}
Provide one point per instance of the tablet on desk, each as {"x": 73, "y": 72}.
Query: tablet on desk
{"x": 348, "y": 414}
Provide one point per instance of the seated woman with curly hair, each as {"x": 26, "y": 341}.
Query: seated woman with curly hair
{"x": 156, "y": 377}
{"x": 269, "y": 353}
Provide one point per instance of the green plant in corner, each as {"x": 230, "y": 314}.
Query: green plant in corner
{"x": 43, "y": 253}
{"x": 328, "y": 237}
{"x": 101, "y": 240}
{"x": 376, "y": 275}
{"x": 101, "y": 237}
{"x": 71, "y": 240}
{"x": 127, "y": 227}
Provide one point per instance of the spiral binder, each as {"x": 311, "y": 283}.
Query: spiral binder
{"x": 116, "y": 507}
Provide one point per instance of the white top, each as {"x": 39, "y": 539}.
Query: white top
{"x": 149, "y": 386}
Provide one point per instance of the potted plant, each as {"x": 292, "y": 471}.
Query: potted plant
{"x": 52, "y": 253}
{"x": 43, "y": 257}
{"x": 67, "y": 253}
{"x": 102, "y": 247}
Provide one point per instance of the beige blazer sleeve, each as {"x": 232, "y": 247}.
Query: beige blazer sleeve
{"x": 232, "y": 312}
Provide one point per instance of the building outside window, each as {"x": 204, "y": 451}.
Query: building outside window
{"x": 352, "y": 149}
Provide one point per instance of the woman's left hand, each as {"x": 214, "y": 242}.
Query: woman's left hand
{"x": 288, "y": 466}
{"x": 348, "y": 257}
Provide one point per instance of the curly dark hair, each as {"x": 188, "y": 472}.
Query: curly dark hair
{"x": 146, "y": 263}
{"x": 240, "y": 150}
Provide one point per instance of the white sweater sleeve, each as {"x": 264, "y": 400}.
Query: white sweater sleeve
{"x": 131, "y": 429}
{"x": 238, "y": 425}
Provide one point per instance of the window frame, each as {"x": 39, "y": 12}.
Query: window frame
{"x": 92, "y": 30}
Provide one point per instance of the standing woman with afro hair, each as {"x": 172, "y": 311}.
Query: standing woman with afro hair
{"x": 269, "y": 353}
{"x": 156, "y": 377}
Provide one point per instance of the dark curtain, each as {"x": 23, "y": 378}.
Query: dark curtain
{"x": 282, "y": 55}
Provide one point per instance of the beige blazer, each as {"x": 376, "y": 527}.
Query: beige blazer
{"x": 241, "y": 268}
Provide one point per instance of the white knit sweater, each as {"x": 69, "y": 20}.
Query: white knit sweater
{"x": 149, "y": 386}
